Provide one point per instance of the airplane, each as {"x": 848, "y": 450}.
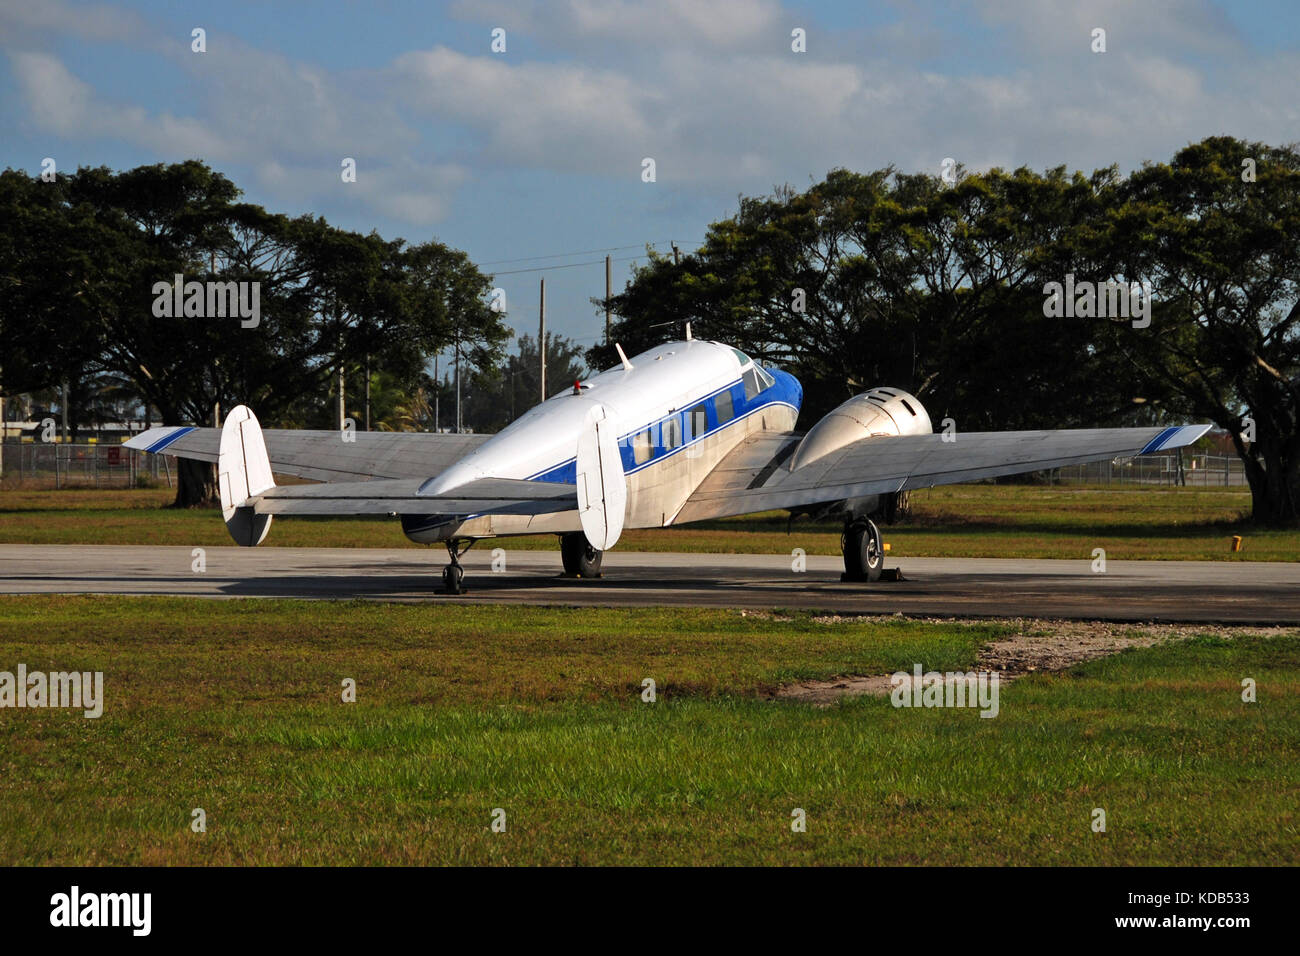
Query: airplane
{"x": 687, "y": 431}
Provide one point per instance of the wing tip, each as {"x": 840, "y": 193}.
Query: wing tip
{"x": 1175, "y": 436}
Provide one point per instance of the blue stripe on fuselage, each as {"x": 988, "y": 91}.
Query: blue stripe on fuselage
{"x": 785, "y": 391}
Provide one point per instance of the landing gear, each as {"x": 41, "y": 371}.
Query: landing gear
{"x": 864, "y": 555}
{"x": 581, "y": 560}
{"x": 453, "y": 575}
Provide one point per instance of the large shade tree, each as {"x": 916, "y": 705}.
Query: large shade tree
{"x": 939, "y": 287}
{"x": 328, "y": 298}
{"x": 1216, "y": 231}
{"x": 888, "y": 279}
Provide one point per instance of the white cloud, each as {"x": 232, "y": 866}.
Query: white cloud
{"x": 546, "y": 115}
{"x": 711, "y": 91}
{"x": 64, "y": 105}
{"x": 22, "y": 21}
{"x": 416, "y": 193}
{"x": 680, "y": 24}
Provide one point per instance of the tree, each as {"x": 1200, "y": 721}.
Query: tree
{"x": 497, "y": 396}
{"x": 52, "y": 282}
{"x": 1217, "y": 233}
{"x": 883, "y": 278}
{"x": 328, "y": 299}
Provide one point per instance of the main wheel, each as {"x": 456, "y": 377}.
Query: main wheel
{"x": 581, "y": 560}
{"x": 864, "y": 557}
{"x": 453, "y": 577}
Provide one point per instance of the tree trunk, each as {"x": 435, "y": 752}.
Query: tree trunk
{"x": 1274, "y": 479}
{"x": 196, "y": 484}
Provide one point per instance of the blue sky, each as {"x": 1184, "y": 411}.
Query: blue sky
{"x": 537, "y": 151}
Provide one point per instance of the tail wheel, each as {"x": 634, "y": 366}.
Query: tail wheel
{"x": 864, "y": 556}
{"x": 581, "y": 560}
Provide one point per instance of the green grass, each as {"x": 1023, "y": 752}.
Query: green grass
{"x": 991, "y": 521}
{"x": 234, "y": 707}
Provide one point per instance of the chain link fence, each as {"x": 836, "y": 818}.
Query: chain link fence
{"x": 1199, "y": 470}
{"x": 60, "y": 465}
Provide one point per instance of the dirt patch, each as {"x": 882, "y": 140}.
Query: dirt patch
{"x": 1036, "y": 645}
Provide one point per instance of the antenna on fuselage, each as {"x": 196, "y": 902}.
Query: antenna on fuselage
{"x": 627, "y": 366}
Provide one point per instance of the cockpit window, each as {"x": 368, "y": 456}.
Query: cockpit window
{"x": 756, "y": 379}
{"x": 744, "y": 359}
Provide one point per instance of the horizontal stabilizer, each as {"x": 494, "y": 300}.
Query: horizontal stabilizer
{"x": 382, "y": 497}
{"x": 324, "y": 455}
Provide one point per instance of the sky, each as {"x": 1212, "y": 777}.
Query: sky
{"x": 532, "y": 158}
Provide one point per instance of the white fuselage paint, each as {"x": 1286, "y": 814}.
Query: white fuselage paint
{"x": 663, "y": 382}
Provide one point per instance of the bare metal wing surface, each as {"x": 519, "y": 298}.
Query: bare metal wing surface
{"x": 756, "y": 475}
{"x": 484, "y": 496}
{"x": 325, "y": 455}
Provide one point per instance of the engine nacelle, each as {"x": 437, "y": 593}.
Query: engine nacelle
{"x": 880, "y": 412}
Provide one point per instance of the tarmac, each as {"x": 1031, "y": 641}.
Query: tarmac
{"x": 1243, "y": 592}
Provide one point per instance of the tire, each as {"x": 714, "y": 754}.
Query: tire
{"x": 580, "y": 559}
{"x": 453, "y": 579}
{"x": 864, "y": 558}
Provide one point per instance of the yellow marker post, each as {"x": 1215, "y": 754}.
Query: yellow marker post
{"x": 1236, "y": 542}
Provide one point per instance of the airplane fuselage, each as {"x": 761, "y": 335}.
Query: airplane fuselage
{"x": 678, "y": 411}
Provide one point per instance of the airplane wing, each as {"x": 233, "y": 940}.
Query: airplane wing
{"x": 484, "y": 496}
{"x": 324, "y": 455}
{"x": 756, "y": 476}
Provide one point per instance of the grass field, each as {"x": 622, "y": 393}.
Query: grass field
{"x": 234, "y": 706}
{"x": 996, "y": 521}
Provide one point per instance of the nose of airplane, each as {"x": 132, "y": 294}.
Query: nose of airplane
{"x": 788, "y": 386}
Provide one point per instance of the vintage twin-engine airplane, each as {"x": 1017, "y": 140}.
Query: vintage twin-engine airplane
{"x": 684, "y": 432}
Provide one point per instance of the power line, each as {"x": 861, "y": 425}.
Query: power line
{"x": 561, "y": 255}
{"x": 579, "y": 252}
{"x": 566, "y": 265}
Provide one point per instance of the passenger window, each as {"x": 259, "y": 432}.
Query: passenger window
{"x": 671, "y": 434}
{"x": 643, "y": 446}
{"x": 697, "y": 421}
{"x": 724, "y": 407}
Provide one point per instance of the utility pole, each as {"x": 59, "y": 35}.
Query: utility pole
{"x": 342, "y": 401}
{"x": 541, "y": 338}
{"x": 4, "y": 430}
{"x": 367, "y": 393}
{"x": 458, "y": 426}
{"x": 607, "y": 285}
{"x": 437, "y": 393}
{"x": 216, "y": 365}
{"x": 64, "y": 403}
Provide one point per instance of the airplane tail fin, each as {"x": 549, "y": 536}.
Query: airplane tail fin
{"x": 602, "y": 487}
{"x": 243, "y": 472}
